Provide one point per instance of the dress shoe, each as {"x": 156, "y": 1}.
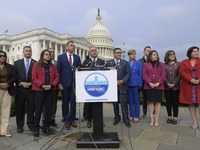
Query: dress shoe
{"x": 89, "y": 124}
{"x": 174, "y": 121}
{"x": 67, "y": 125}
{"x": 76, "y": 118}
{"x": 63, "y": 119}
{"x": 32, "y": 129}
{"x": 135, "y": 120}
{"x": 156, "y": 124}
{"x": 115, "y": 122}
{"x": 20, "y": 130}
{"x": 194, "y": 127}
{"x": 169, "y": 120}
{"x": 36, "y": 133}
{"x": 73, "y": 124}
{"x": 53, "y": 123}
{"x": 47, "y": 131}
{"x": 128, "y": 124}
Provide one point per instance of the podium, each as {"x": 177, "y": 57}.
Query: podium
{"x": 95, "y": 86}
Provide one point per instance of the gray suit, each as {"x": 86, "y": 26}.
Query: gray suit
{"x": 123, "y": 73}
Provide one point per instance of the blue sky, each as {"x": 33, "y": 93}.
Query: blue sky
{"x": 162, "y": 24}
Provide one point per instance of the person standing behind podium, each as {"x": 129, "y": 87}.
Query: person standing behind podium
{"x": 147, "y": 50}
{"x": 93, "y": 61}
{"x": 65, "y": 64}
{"x": 134, "y": 86}
{"x": 23, "y": 68}
{"x": 123, "y": 75}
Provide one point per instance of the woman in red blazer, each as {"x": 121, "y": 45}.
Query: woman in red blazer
{"x": 154, "y": 76}
{"x": 190, "y": 85}
{"x": 45, "y": 78}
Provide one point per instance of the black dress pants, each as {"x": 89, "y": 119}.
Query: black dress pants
{"x": 42, "y": 97}
{"x": 22, "y": 97}
{"x": 172, "y": 101}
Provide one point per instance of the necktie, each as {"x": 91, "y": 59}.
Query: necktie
{"x": 70, "y": 60}
{"x": 27, "y": 68}
{"x": 117, "y": 62}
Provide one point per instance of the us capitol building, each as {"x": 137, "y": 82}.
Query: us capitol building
{"x": 40, "y": 39}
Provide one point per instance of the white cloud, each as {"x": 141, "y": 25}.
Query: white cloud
{"x": 88, "y": 20}
{"x": 15, "y": 22}
{"x": 170, "y": 13}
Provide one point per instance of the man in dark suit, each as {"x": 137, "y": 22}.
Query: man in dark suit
{"x": 23, "y": 68}
{"x": 147, "y": 50}
{"x": 91, "y": 61}
{"x": 65, "y": 65}
{"x": 123, "y": 75}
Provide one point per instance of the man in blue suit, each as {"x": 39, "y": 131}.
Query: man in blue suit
{"x": 123, "y": 75}
{"x": 65, "y": 65}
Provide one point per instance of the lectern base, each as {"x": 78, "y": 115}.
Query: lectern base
{"x": 109, "y": 140}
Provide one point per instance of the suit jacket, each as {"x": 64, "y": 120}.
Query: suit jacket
{"x": 186, "y": 87}
{"x": 38, "y": 77}
{"x": 21, "y": 71}
{"x": 65, "y": 71}
{"x": 142, "y": 60}
{"x": 154, "y": 75}
{"x": 11, "y": 78}
{"x": 88, "y": 62}
{"x": 136, "y": 74}
{"x": 123, "y": 73}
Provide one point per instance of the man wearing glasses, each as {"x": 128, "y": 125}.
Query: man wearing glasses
{"x": 123, "y": 75}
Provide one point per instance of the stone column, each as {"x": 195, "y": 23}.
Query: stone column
{"x": 61, "y": 49}
{"x": 44, "y": 44}
{"x": 50, "y": 44}
{"x": 83, "y": 55}
{"x": 56, "y": 51}
{"x": 4, "y": 48}
{"x": 75, "y": 52}
{"x": 79, "y": 52}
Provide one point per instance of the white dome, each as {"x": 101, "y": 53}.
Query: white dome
{"x": 99, "y": 36}
{"x": 98, "y": 29}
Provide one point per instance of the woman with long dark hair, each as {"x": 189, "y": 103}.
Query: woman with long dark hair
{"x": 154, "y": 76}
{"x": 172, "y": 85}
{"x": 7, "y": 91}
{"x": 45, "y": 78}
{"x": 190, "y": 83}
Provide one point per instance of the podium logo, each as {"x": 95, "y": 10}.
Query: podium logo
{"x": 96, "y": 84}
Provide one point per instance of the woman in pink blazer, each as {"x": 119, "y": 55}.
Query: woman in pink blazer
{"x": 154, "y": 76}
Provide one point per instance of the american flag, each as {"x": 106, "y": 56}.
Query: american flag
{"x": 6, "y": 31}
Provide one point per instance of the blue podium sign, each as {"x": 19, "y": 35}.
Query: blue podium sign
{"x": 96, "y": 86}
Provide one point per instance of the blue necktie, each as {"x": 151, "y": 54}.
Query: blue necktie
{"x": 27, "y": 68}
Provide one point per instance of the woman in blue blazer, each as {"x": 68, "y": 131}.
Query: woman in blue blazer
{"x": 134, "y": 85}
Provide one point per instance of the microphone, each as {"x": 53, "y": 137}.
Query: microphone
{"x": 92, "y": 63}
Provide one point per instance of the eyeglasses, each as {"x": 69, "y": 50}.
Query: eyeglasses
{"x": 3, "y": 56}
{"x": 47, "y": 54}
{"x": 118, "y": 52}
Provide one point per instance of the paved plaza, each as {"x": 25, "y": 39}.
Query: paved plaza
{"x": 140, "y": 136}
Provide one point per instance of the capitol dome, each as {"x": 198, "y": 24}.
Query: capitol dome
{"x": 99, "y": 36}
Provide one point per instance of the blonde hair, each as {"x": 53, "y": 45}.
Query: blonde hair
{"x": 131, "y": 51}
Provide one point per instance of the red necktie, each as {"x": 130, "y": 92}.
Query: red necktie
{"x": 70, "y": 60}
